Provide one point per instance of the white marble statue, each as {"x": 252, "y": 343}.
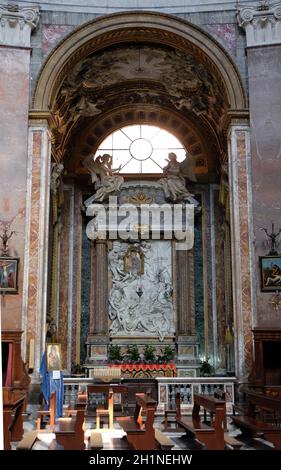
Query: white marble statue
{"x": 105, "y": 179}
{"x": 173, "y": 183}
{"x": 141, "y": 305}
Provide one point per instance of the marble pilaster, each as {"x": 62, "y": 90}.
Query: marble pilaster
{"x": 98, "y": 338}
{"x": 15, "y": 30}
{"x": 262, "y": 24}
{"x": 263, "y": 34}
{"x": 184, "y": 311}
{"x": 36, "y": 249}
{"x": 242, "y": 249}
{"x": 16, "y": 25}
{"x": 186, "y": 337}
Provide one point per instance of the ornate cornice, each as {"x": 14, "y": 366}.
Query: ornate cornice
{"x": 262, "y": 24}
{"x": 16, "y": 25}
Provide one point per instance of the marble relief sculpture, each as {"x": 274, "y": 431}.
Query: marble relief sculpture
{"x": 173, "y": 183}
{"x": 141, "y": 304}
{"x": 104, "y": 178}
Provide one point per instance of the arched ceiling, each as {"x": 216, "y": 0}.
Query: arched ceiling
{"x": 129, "y": 68}
{"x": 126, "y": 81}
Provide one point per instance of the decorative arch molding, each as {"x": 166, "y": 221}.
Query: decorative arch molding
{"x": 137, "y": 26}
{"x": 90, "y": 137}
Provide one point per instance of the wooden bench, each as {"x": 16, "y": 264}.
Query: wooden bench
{"x": 95, "y": 441}
{"x": 43, "y": 414}
{"x": 28, "y": 440}
{"x": 261, "y": 418}
{"x": 163, "y": 442}
{"x": 69, "y": 431}
{"x": 171, "y": 415}
{"x": 232, "y": 443}
{"x": 211, "y": 435}
{"x": 141, "y": 435}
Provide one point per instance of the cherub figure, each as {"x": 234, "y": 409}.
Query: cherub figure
{"x": 104, "y": 177}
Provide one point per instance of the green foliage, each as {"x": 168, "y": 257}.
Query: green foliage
{"x": 133, "y": 353}
{"x": 168, "y": 354}
{"x": 77, "y": 368}
{"x": 149, "y": 353}
{"x": 114, "y": 353}
{"x": 206, "y": 368}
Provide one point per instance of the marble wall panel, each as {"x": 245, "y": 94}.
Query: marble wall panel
{"x": 225, "y": 34}
{"x": 52, "y": 34}
{"x": 14, "y": 85}
{"x": 265, "y": 107}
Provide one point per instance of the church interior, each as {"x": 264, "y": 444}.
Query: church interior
{"x": 140, "y": 274}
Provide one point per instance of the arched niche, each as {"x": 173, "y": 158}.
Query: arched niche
{"x": 137, "y": 26}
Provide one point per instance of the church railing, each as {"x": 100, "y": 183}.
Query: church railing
{"x": 168, "y": 387}
{"x": 72, "y": 387}
{"x": 187, "y": 386}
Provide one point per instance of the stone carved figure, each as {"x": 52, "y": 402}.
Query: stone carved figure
{"x": 141, "y": 304}
{"x": 57, "y": 170}
{"x": 103, "y": 177}
{"x": 173, "y": 183}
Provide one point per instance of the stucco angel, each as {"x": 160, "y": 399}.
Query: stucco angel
{"x": 104, "y": 177}
{"x": 174, "y": 174}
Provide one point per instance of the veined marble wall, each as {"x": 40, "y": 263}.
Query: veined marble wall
{"x": 14, "y": 83}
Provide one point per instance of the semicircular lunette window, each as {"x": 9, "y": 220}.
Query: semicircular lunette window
{"x": 141, "y": 149}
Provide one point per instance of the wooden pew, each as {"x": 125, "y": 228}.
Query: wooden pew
{"x": 232, "y": 443}
{"x": 95, "y": 441}
{"x": 28, "y": 440}
{"x": 263, "y": 416}
{"x": 13, "y": 406}
{"x": 162, "y": 441}
{"x": 69, "y": 431}
{"x": 212, "y": 436}
{"x": 141, "y": 435}
{"x": 43, "y": 414}
{"x": 171, "y": 415}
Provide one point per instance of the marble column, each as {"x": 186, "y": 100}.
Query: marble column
{"x": 98, "y": 337}
{"x": 263, "y": 37}
{"x": 241, "y": 245}
{"x": 16, "y": 25}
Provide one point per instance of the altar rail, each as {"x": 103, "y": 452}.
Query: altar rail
{"x": 168, "y": 387}
{"x": 187, "y": 386}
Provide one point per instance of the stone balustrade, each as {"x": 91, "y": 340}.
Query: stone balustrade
{"x": 187, "y": 386}
{"x": 168, "y": 387}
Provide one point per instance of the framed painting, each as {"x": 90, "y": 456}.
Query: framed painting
{"x": 9, "y": 268}
{"x": 134, "y": 261}
{"x": 54, "y": 360}
{"x": 270, "y": 273}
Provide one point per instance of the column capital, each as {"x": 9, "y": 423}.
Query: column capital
{"x": 261, "y": 23}
{"x": 16, "y": 25}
